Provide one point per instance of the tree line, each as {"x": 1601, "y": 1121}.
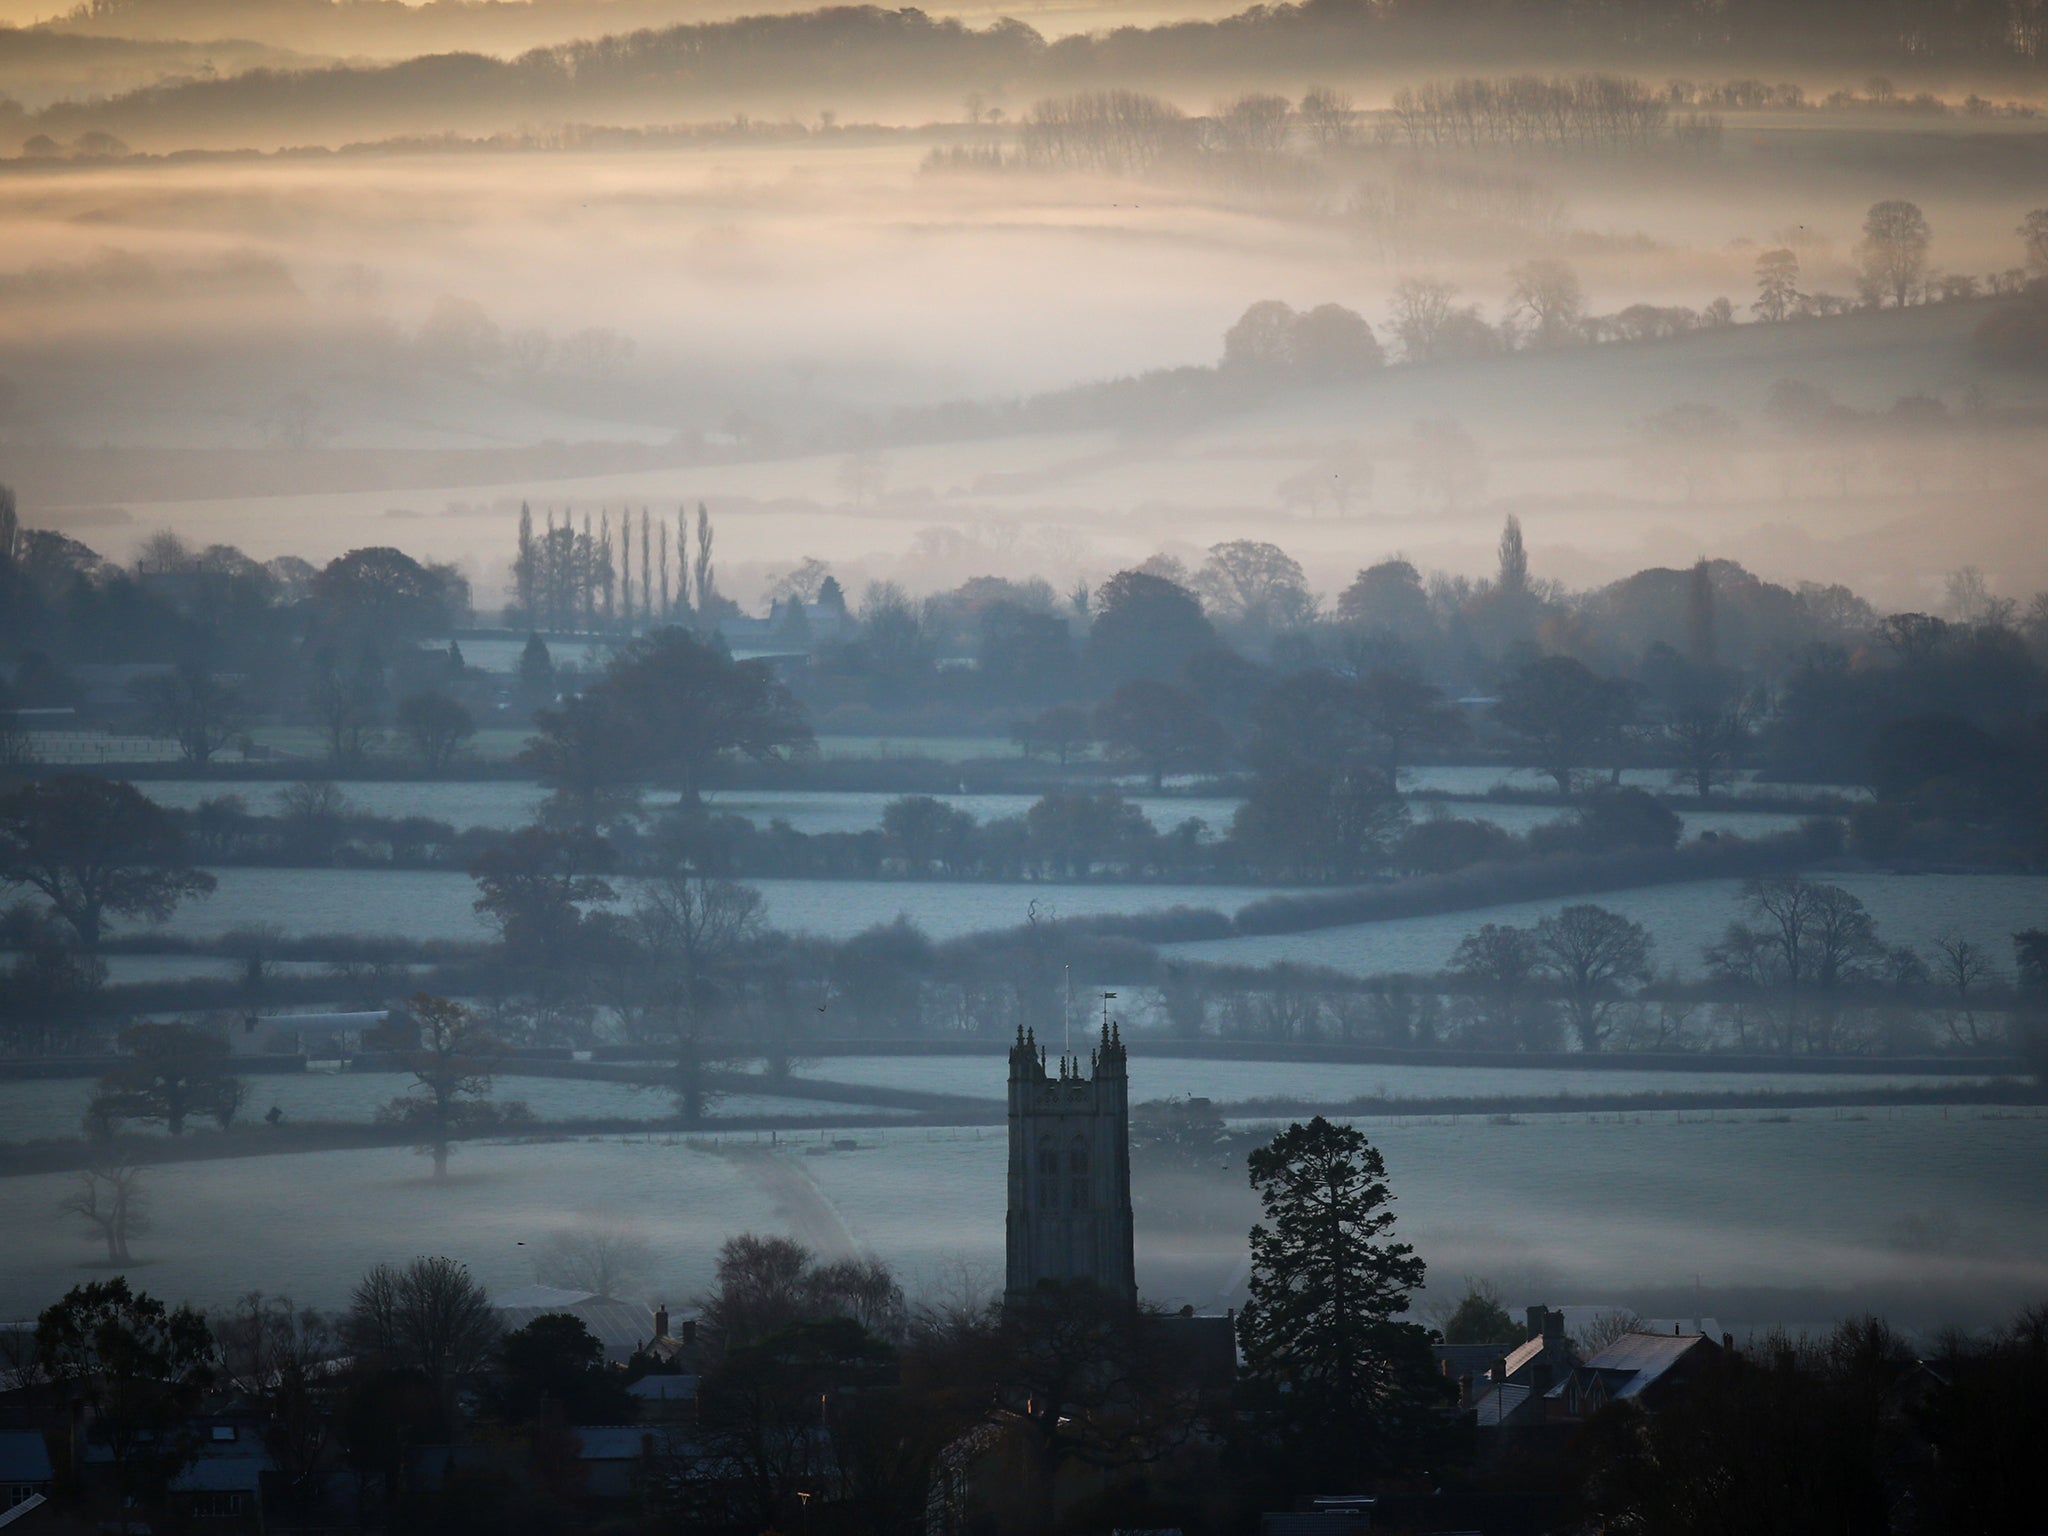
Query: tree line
{"x": 847, "y": 51}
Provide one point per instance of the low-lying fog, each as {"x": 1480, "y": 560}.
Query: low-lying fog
{"x": 302, "y": 356}
{"x": 1929, "y": 1216}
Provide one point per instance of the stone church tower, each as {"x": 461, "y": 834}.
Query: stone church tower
{"x": 1070, "y": 1171}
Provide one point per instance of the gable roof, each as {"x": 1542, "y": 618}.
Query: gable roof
{"x": 1636, "y": 1361}
{"x": 1523, "y": 1354}
{"x": 1497, "y": 1405}
{"x": 24, "y": 1458}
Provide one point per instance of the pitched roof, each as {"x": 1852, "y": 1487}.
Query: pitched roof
{"x": 24, "y": 1458}
{"x": 1497, "y": 1405}
{"x": 1635, "y": 1361}
{"x": 1523, "y": 1354}
{"x": 664, "y": 1388}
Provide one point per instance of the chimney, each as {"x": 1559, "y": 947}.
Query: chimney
{"x": 1728, "y": 1342}
{"x": 661, "y": 1322}
{"x": 1499, "y": 1373}
{"x": 1553, "y": 1324}
{"x": 689, "y": 1330}
{"x": 1539, "y": 1322}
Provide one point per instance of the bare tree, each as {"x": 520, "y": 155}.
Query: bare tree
{"x": 452, "y": 1063}
{"x": 1546, "y": 293}
{"x": 1329, "y": 117}
{"x": 1590, "y": 951}
{"x": 862, "y": 477}
{"x": 1605, "y": 1328}
{"x": 1777, "y": 286}
{"x": 605, "y": 1257}
{"x": 1446, "y": 465}
{"x": 276, "y": 1354}
{"x": 1894, "y": 251}
{"x": 1422, "y": 310}
{"x": 1963, "y": 969}
{"x": 111, "y": 1200}
{"x": 163, "y": 553}
{"x": 1967, "y": 597}
{"x": 1253, "y": 124}
{"x": 197, "y": 708}
{"x": 689, "y": 928}
{"x": 2034, "y": 232}
{"x": 435, "y": 726}
{"x": 430, "y": 1317}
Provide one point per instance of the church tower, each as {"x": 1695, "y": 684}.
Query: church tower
{"x": 1070, "y": 1171}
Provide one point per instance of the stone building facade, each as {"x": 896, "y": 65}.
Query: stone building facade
{"x": 1070, "y": 1171}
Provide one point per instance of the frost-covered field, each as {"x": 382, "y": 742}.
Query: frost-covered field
{"x": 1830, "y": 1209}
{"x": 1909, "y": 909}
{"x": 1325, "y": 1082}
{"x": 431, "y": 904}
{"x": 32, "y": 1110}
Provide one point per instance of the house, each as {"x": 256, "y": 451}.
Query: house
{"x": 669, "y": 1354}
{"x": 1543, "y": 1357}
{"x": 220, "y": 1489}
{"x": 25, "y": 1470}
{"x": 1499, "y": 1387}
{"x": 1637, "y": 1367}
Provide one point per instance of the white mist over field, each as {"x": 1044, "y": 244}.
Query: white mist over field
{"x": 782, "y": 304}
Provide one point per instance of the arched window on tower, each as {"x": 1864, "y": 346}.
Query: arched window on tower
{"x": 1077, "y": 1167}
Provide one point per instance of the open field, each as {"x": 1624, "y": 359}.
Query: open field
{"x": 1808, "y": 1215}
{"x": 719, "y": 259}
{"x": 1683, "y": 919}
{"x": 1329, "y": 1082}
{"x": 420, "y": 904}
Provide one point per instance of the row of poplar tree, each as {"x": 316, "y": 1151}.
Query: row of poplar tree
{"x": 568, "y": 577}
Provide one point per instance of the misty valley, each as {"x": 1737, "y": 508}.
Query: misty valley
{"x": 1119, "y": 767}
